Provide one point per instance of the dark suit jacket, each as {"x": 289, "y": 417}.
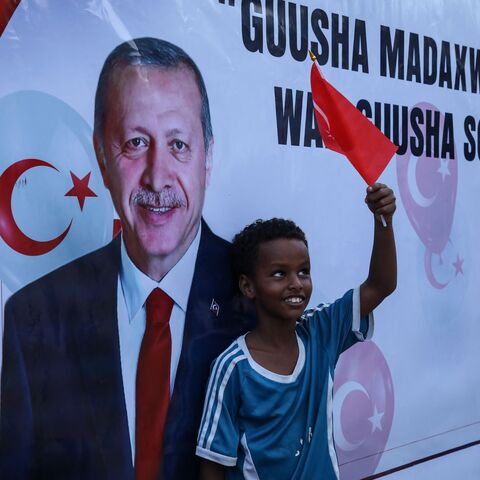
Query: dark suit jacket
{"x": 63, "y": 412}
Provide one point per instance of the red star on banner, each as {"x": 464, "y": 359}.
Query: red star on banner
{"x": 458, "y": 264}
{"x": 80, "y": 189}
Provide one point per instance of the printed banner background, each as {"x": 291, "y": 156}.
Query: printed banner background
{"x": 413, "y": 391}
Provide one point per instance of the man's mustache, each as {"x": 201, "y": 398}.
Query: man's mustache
{"x": 167, "y": 197}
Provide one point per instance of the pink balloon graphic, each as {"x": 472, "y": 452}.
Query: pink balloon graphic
{"x": 428, "y": 189}
{"x": 363, "y": 409}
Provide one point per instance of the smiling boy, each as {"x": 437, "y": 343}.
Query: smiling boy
{"x": 268, "y": 409}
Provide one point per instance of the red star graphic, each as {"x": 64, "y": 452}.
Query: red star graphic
{"x": 80, "y": 189}
{"x": 458, "y": 264}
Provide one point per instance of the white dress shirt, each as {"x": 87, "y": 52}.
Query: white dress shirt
{"x": 133, "y": 289}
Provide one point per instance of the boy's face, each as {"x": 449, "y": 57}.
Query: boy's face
{"x": 281, "y": 285}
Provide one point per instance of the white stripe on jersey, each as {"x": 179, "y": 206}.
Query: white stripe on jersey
{"x": 210, "y": 397}
{"x": 216, "y": 457}
{"x": 220, "y": 393}
{"x": 211, "y": 381}
{"x": 249, "y": 470}
{"x": 309, "y": 313}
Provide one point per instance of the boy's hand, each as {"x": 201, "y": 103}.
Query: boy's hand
{"x": 381, "y": 201}
{"x": 382, "y": 275}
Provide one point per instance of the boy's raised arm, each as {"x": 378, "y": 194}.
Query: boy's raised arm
{"x": 382, "y": 275}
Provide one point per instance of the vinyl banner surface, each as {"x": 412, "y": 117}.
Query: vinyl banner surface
{"x": 412, "y": 68}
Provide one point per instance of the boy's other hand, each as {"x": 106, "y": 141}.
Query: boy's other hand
{"x": 381, "y": 201}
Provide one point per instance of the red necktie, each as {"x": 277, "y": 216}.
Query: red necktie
{"x": 153, "y": 386}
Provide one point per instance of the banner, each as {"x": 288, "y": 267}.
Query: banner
{"x": 411, "y": 393}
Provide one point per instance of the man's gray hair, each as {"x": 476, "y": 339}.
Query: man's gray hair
{"x": 148, "y": 51}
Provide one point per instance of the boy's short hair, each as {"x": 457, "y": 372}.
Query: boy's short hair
{"x": 245, "y": 243}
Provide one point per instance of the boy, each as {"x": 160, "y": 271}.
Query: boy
{"x": 267, "y": 412}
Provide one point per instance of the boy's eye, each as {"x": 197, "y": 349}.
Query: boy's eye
{"x": 304, "y": 273}
{"x": 278, "y": 274}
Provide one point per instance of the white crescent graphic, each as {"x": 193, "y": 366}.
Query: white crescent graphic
{"x": 342, "y": 393}
{"x": 418, "y": 197}
{"x": 429, "y": 271}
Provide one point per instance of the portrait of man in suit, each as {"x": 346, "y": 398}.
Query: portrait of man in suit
{"x": 106, "y": 359}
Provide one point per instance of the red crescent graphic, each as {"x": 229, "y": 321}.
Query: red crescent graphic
{"x": 428, "y": 270}
{"x": 9, "y": 231}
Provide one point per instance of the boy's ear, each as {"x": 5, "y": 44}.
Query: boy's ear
{"x": 246, "y": 287}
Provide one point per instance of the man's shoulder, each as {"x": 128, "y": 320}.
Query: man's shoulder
{"x": 210, "y": 242}
{"x": 76, "y": 274}
{"x": 213, "y": 258}
{"x": 214, "y": 279}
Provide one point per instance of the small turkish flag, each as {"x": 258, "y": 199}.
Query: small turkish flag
{"x": 346, "y": 130}
{"x": 7, "y": 7}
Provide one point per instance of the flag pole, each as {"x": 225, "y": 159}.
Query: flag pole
{"x": 314, "y": 60}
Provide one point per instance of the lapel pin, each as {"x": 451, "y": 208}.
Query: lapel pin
{"x": 215, "y": 307}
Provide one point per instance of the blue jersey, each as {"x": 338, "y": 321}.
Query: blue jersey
{"x": 262, "y": 425}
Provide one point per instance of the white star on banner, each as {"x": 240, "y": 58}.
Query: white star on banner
{"x": 443, "y": 169}
{"x": 376, "y": 419}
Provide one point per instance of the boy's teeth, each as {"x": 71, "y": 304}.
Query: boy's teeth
{"x": 294, "y": 300}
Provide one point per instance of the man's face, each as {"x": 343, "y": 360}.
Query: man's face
{"x": 156, "y": 167}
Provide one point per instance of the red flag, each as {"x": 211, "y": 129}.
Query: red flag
{"x": 347, "y": 131}
{"x": 7, "y": 7}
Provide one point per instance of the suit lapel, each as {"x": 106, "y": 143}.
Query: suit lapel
{"x": 206, "y": 334}
{"x": 99, "y": 357}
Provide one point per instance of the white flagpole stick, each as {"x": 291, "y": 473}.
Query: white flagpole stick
{"x": 384, "y": 222}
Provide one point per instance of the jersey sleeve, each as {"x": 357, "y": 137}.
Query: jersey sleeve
{"x": 338, "y": 325}
{"x": 218, "y": 437}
